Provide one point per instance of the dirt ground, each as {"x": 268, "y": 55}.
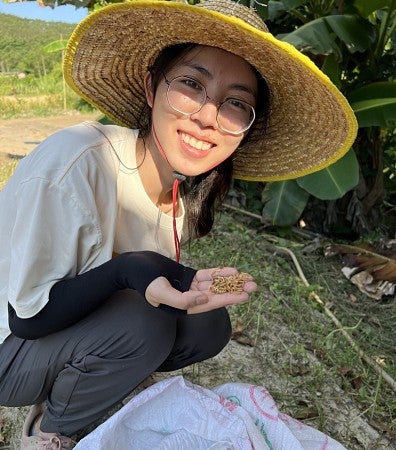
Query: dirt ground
{"x": 18, "y": 137}
{"x": 237, "y": 363}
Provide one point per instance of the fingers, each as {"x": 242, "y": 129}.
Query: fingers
{"x": 218, "y": 301}
{"x": 250, "y": 286}
{"x": 160, "y": 291}
{"x": 191, "y": 299}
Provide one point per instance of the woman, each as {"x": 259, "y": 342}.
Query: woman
{"x": 92, "y": 299}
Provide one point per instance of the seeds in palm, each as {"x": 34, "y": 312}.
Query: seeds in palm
{"x": 232, "y": 284}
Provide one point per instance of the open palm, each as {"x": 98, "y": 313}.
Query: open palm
{"x": 198, "y": 298}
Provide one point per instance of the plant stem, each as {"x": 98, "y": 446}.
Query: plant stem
{"x": 383, "y": 34}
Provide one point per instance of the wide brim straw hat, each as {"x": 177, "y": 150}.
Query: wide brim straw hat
{"x": 311, "y": 124}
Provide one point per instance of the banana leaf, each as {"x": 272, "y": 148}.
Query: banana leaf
{"x": 366, "y": 7}
{"x": 379, "y": 112}
{"x": 313, "y": 37}
{"x": 371, "y": 269}
{"x": 291, "y": 4}
{"x": 275, "y": 8}
{"x": 284, "y": 202}
{"x": 356, "y": 35}
{"x": 379, "y": 89}
{"x": 375, "y": 104}
{"x": 381, "y": 264}
{"x": 56, "y": 46}
{"x": 333, "y": 181}
{"x": 316, "y": 36}
{"x": 332, "y": 69}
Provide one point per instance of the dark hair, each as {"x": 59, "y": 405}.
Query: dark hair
{"x": 204, "y": 192}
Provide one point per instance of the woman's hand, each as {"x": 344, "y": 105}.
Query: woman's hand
{"x": 199, "y": 298}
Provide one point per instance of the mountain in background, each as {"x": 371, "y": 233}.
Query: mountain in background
{"x": 22, "y": 43}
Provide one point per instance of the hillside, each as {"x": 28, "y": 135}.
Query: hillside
{"x": 22, "y": 44}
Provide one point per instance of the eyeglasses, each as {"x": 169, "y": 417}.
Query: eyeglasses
{"x": 187, "y": 96}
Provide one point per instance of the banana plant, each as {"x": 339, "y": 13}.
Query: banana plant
{"x": 285, "y": 201}
{"x": 352, "y": 41}
{"x": 54, "y": 47}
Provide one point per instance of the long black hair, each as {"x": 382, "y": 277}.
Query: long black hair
{"x": 203, "y": 193}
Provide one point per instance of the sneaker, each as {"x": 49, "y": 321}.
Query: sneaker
{"x": 41, "y": 440}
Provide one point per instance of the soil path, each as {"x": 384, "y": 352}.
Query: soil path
{"x": 18, "y": 137}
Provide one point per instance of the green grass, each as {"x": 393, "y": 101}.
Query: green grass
{"x": 283, "y": 299}
{"x": 37, "y": 97}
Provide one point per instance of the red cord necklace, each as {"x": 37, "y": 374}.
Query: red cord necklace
{"x": 178, "y": 177}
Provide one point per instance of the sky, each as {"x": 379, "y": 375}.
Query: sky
{"x": 31, "y": 10}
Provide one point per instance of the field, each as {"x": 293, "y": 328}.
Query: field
{"x": 284, "y": 338}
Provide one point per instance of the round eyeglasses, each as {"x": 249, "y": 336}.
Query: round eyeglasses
{"x": 187, "y": 96}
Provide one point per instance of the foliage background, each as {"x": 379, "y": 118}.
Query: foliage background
{"x": 31, "y": 82}
{"x": 22, "y": 47}
{"x": 353, "y": 42}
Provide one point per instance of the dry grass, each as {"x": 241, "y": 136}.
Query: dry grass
{"x": 7, "y": 167}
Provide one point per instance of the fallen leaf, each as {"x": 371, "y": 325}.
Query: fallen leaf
{"x": 352, "y": 298}
{"x": 242, "y": 338}
{"x": 349, "y": 374}
{"x": 373, "y": 273}
{"x": 307, "y": 412}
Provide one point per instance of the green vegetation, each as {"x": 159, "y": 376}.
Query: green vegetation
{"x": 31, "y": 82}
{"x": 284, "y": 302}
{"x": 37, "y": 96}
{"x": 354, "y": 43}
{"x": 22, "y": 43}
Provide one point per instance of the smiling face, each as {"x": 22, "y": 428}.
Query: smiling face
{"x": 193, "y": 144}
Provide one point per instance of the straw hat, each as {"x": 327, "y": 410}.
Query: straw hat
{"x": 311, "y": 124}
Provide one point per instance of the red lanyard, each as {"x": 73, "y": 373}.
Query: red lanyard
{"x": 175, "y": 190}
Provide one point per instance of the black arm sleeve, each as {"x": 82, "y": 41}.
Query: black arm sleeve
{"x": 72, "y": 299}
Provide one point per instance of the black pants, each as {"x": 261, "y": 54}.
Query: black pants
{"x": 83, "y": 371}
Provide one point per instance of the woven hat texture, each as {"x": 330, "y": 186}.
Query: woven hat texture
{"x": 311, "y": 124}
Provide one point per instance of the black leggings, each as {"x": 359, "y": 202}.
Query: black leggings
{"x": 83, "y": 371}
